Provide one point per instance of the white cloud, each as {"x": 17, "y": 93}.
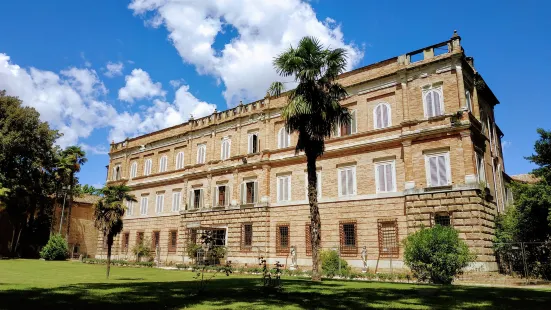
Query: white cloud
{"x": 98, "y": 149}
{"x": 265, "y": 29}
{"x": 140, "y": 86}
{"x": 176, "y": 83}
{"x": 86, "y": 81}
{"x": 506, "y": 144}
{"x": 113, "y": 69}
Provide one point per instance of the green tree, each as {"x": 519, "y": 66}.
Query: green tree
{"x": 109, "y": 212}
{"x": 27, "y": 161}
{"x": 87, "y": 189}
{"x": 542, "y": 157}
{"x": 313, "y": 111}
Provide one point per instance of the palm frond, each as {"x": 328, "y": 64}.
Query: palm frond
{"x": 276, "y": 88}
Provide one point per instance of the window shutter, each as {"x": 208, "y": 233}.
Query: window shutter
{"x": 353, "y": 122}
{"x": 437, "y": 107}
{"x": 385, "y": 110}
{"x": 378, "y": 117}
{"x": 279, "y": 189}
{"x": 243, "y": 193}
{"x": 433, "y": 169}
{"x": 288, "y": 197}
{"x": 428, "y": 104}
{"x": 351, "y": 177}
{"x": 442, "y": 171}
{"x": 388, "y": 177}
{"x": 380, "y": 178}
{"x": 190, "y": 200}
{"x": 280, "y": 138}
{"x": 227, "y": 196}
{"x": 255, "y": 194}
{"x": 201, "y": 198}
{"x": 343, "y": 181}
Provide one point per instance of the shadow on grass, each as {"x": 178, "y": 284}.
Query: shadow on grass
{"x": 223, "y": 292}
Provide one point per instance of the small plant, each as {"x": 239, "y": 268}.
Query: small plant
{"x": 436, "y": 254}
{"x": 55, "y": 249}
{"x": 142, "y": 249}
{"x": 192, "y": 249}
{"x": 330, "y": 265}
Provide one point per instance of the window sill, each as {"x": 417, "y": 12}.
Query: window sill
{"x": 437, "y": 188}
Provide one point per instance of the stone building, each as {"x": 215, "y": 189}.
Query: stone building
{"x": 423, "y": 148}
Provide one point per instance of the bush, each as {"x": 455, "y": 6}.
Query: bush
{"x": 330, "y": 265}
{"x": 192, "y": 249}
{"x": 55, "y": 249}
{"x": 117, "y": 262}
{"x": 142, "y": 249}
{"x": 436, "y": 254}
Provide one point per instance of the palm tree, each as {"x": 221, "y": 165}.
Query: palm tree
{"x": 313, "y": 111}
{"x": 109, "y": 212}
{"x": 72, "y": 158}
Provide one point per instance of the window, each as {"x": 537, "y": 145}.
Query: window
{"x": 133, "y": 170}
{"x": 139, "y": 237}
{"x": 246, "y": 236}
{"x": 130, "y": 207}
{"x": 219, "y": 236}
{"x": 225, "y": 149}
{"x": 201, "y": 153}
{"x": 155, "y": 240}
{"x": 347, "y": 181}
{"x": 172, "y": 241}
{"x": 180, "y": 160}
{"x": 284, "y": 188}
{"x": 438, "y": 169}
{"x": 147, "y": 167}
{"x": 162, "y": 164}
{"x": 350, "y": 128}
{"x": 434, "y": 105}
{"x": 442, "y": 219}
{"x": 196, "y": 199}
{"x": 385, "y": 177}
{"x": 348, "y": 238}
{"x": 382, "y": 116}
{"x": 318, "y": 183}
{"x": 159, "y": 203}
{"x": 249, "y": 192}
{"x": 388, "y": 238}
{"x": 308, "y": 236}
{"x": 283, "y": 138}
{"x": 176, "y": 196}
{"x": 253, "y": 143}
{"x": 143, "y": 206}
{"x": 480, "y": 168}
{"x": 117, "y": 173}
{"x": 468, "y": 101}
{"x": 221, "y": 196}
{"x": 125, "y": 242}
{"x": 282, "y": 239}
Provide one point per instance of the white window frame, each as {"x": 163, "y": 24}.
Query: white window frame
{"x": 286, "y": 179}
{"x": 133, "y": 170}
{"x": 143, "y": 205}
{"x": 130, "y": 207}
{"x": 163, "y": 163}
{"x": 180, "y": 160}
{"x": 116, "y": 176}
{"x": 468, "y": 101}
{"x": 318, "y": 173}
{"x": 386, "y": 106}
{"x": 353, "y": 124}
{"x": 250, "y": 143}
{"x": 159, "y": 203}
{"x": 480, "y": 167}
{"x": 225, "y": 148}
{"x": 448, "y": 168}
{"x": 226, "y": 195}
{"x": 191, "y": 198}
{"x": 244, "y": 192}
{"x": 201, "y": 153}
{"x": 340, "y": 186}
{"x": 436, "y": 90}
{"x": 392, "y": 164}
{"x": 147, "y": 167}
{"x": 283, "y": 138}
{"x": 176, "y": 197}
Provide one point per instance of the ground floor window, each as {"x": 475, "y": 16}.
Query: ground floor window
{"x": 348, "y": 238}
{"x": 155, "y": 238}
{"x": 139, "y": 237}
{"x": 219, "y": 236}
{"x": 125, "y": 242}
{"x": 388, "y": 237}
{"x": 246, "y": 237}
{"x": 282, "y": 238}
{"x": 442, "y": 219}
{"x": 172, "y": 240}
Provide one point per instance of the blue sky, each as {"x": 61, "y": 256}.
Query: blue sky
{"x": 168, "y": 59}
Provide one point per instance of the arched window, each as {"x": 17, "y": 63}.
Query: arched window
{"x": 162, "y": 164}
{"x": 201, "y": 153}
{"x": 434, "y": 105}
{"x": 382, "y": 116}
{"x": 225, "y": 148}
{"x": 283, "y": 138}
{"x": 147, "y": 167}
{"x": 117, "y": 173}
{"x": 180, "y": 160}
{"x": 133, "y": 170}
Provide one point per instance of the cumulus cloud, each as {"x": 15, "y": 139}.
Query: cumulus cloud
{"x": 265, "y": 28}
{"x": 140, "y": 86}
{"x": 98, "y": 149}
{"x": 86, "y": 81}
{"x": 113, "y": 69}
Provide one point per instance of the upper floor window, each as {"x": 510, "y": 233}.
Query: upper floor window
{"x": 201, "y": 153}
{"x": 433, "y": 102}
{"x": 130, "y": 207}
{"x": 249, "y": 192}
{"x": 385, "y": 177}
{"x": 283, "y": 138}
{"x": 163, "y": 163}
{"x": 221, "y": 197}
{"x": 176, "y": 196}
{"x": 438, "y": 169}
{"x": 318, "y": 183}
{"x": 143, "y": 205}
{"x": 147, "y": 167}
{"x": 348, "y": 129}
{"x": 284, "y": 188}
{"x": 180, "y": 160}
{"x": 480, "y": 167}
{"x": 347, "y": 181}
{"x": 159, "y": 202}
{"x": 382, "y": 116}
{"x": 225, "y": 148}
{"x": 196, "y": 198}
{"x": 253, "y": 143}
{"x": 117, "y": 173}
{"x": 468, "y": 101}
{"x": 133, "y": 170}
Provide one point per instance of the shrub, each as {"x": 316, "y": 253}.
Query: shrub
{"x": 330, "y": 264}
{"x": 117, "y": 262}
{"x": 192, "y": 249}
{"x": 436, "y": 254}
{"x": 142, "y": 249}
{"x": 55, "y": 249}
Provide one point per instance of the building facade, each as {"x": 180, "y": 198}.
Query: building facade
{"x": 422, "y": 148}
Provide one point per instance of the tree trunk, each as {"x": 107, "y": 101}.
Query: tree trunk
{"x": 109, "y": 245}
{"x": 315, "y": 220}
{"x": 69, "y": 206}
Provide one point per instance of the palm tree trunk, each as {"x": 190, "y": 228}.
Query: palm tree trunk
{"x": 109, "y": 245}
{"x": 315, "y": 220}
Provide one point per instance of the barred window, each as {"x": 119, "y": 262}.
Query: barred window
{"x": 348, "y": 238}
{"x": 388, "y": 238}
{"x": 282, "y": 238}
{"x": 155, "y": 238}
{"x": 442, "y": 219}
{"x": 172, "y": 240}
{"x": 246, "y": 237}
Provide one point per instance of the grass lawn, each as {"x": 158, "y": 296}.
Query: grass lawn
{"x": 33, "y": 284}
